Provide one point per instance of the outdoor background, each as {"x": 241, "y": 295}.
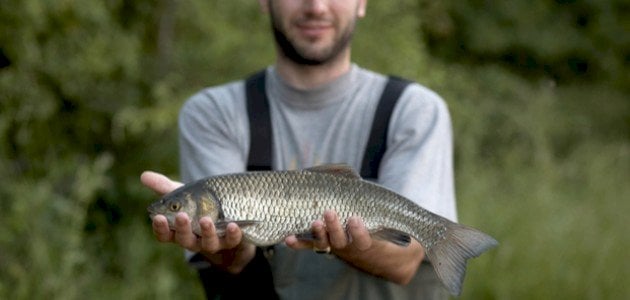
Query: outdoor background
{"x": 539, "y": 93}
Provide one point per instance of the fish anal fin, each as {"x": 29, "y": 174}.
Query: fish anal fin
{"x": 336, "y": 169}
{"x": 392, "y": 235}
{"x": 450, "y": 254}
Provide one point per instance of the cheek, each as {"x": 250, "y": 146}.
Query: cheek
{"x": 283, "y": 17}
{"x": 190, "y": 210}
{"x": 283, "y": 26}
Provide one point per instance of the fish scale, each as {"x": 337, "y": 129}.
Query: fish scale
{"x": 269, "y": 206}
{"x": 250, "y": 196}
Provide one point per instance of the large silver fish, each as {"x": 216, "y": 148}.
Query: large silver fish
{"x": 269, "y": 206}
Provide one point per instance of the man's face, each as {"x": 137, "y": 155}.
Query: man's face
{"x": 314, "y": 32}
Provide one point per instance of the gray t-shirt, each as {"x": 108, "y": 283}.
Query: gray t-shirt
{"x": 329, "y": 124}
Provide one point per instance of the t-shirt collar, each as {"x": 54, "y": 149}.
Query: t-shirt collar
{"x": 318, "y": 97}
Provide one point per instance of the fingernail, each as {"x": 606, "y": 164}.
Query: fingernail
{"x": 329, "y": 215}
{"x": 204, "y": 225}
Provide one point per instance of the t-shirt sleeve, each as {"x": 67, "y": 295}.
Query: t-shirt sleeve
{"x": 213, "y": 136}
{"x": 418, "y": 162}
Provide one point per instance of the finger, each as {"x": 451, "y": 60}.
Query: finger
{"x": 183, "y": 232}
{"x": 296, "y": 244}
{"x": 321, "y": 236}
{"x": 158, "y": 182}
{"x": 161, "y": 229}
{"x": 360, "y": 236}
{"x": 233, "y": 236}
{"x": 336, "y": 233}
{"x": 209, "y": 240}
{"x": 318, "y": 240}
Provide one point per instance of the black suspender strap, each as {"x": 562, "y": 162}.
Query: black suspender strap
{"x": 377, "y": 143}
{"x": 261, "y": 139}
{"x": 257, "y": 275}
{"x": 260, "y": 136}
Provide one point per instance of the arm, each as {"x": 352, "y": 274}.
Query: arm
{"x": 377, "y": 257}
{"x": 418, "y": 165}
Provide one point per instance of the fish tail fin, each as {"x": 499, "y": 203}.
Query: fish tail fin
{"x": 449, "y": 255}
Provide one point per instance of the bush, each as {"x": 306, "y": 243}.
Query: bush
{"x": 91, "y": 91}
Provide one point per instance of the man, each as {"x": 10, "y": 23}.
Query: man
{"x": 321, "y": 107}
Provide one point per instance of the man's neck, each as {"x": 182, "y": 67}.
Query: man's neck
{"x": 307, "y": 76}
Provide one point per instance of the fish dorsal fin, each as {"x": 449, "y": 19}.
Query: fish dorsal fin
{"x": 336, "y": 169}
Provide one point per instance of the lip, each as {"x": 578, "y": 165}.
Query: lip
{"x": 314, "y": 30}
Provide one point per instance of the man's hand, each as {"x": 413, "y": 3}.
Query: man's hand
{"x": 228, "y": 252}
{"x": 355, "y": 245}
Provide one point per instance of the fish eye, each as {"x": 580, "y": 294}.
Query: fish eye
{"x": 175, "y": 206}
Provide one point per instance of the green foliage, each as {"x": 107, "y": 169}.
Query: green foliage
{"x": 547, "y": 179}
{"x": 565, "y": 40}
{"x": 79, "y": 106}
{"x": 91, "y": 91}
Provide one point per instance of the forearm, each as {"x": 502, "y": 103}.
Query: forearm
{"x": 355, "y": 245}
{"x": 233, "y": 260}
{"x": 386, "y": 260}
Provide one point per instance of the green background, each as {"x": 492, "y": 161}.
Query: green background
{"x": 539, "y": 93}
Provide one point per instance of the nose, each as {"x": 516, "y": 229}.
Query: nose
{"x": 316, "y": 7}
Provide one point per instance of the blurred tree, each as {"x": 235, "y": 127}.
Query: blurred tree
{"x": 80, "y": 99}
{"x": 562, "y": 39}
{"x": 575, "y": 53}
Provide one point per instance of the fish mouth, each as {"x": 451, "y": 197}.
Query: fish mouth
{"x": 152, "y": 210}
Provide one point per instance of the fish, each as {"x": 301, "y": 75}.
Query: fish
{"x": 268, "y": 206}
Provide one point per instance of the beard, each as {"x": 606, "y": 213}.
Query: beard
{"x": 304, "y": 55}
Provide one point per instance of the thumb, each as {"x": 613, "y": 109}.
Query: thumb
{"x": 158, "y": 182}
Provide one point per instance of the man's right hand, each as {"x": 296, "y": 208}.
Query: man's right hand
{"x": 229, "y": 252}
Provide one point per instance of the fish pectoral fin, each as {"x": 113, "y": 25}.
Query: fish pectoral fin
{"x": 306, "y": 236}
{"x": 392, "y": 235}
{"x": 246, "y": 223}
{"x": 336, "y": 169}
{"x": 221, "y": 226}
